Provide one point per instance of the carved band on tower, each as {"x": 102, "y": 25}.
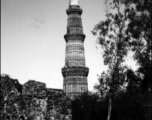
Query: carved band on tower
{"x": 75, "y": 71}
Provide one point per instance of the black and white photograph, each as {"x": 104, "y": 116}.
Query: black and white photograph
{"x": 76, "y": 60}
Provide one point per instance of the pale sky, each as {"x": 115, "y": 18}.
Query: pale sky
{"x": 32, "y": 39}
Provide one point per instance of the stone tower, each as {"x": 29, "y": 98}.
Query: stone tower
{"x": 75, "y": 71}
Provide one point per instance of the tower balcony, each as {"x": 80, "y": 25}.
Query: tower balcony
{"x": 74, "y": 37}
{"x": 74, "y": 9}
{"x": 75, "y": 71}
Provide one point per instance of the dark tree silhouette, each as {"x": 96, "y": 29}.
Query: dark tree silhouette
{"x": 127, "y": 28}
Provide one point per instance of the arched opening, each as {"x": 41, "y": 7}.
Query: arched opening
{"x": 8, "y": 118}
{"x": 22, "y": 117}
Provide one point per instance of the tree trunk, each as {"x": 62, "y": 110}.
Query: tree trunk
{"x": 109, "y": 108}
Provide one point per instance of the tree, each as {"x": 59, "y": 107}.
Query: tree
{"x": 112, "y": 35}
{"x": 127, "y": 27}
{"x": 139, "y": 28}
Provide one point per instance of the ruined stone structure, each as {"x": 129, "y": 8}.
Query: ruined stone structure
{"x": 75, "y": 71}
{"x": 32, "y": 101}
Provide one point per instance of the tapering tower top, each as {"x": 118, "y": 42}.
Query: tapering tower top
{"x": 74, "y": 2}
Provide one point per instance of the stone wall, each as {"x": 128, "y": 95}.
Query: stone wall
{"x": 32, "y": 101}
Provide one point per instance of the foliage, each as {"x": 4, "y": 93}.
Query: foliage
{"x": 112, "y": 35}
{"x": 127, "y": 105}
{"x": 126, "y": 28}
{"x": 139, "y": 28}
{"x": 89, "y": 107}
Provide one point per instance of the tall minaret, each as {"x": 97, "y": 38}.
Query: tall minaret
{"x": 74, "y": 72}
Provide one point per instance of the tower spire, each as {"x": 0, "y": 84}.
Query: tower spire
{"x": 74, "y": 2}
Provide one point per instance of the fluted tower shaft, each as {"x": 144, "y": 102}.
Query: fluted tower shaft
{"x": 75, "y": 71}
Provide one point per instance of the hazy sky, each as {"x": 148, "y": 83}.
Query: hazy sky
{"x": 32, "y": 38}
